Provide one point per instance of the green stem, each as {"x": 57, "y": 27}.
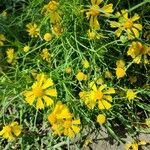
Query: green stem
{"x": 139, "y": 5}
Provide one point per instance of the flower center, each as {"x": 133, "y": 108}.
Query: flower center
{"x": 94, "y": 10}
{"x": 38, "y": 91}
{"x": 98, "y": 95}
{"x": 128, "y": 24}
{"x": 67, "y": 124}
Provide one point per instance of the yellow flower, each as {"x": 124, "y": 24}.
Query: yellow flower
{"x": 41, "y": 91}
{"x": 133, "y": 146}
{"x": 51, "y": 9}
{"x": 120, "y": 70}
{"x": 101, "y": 119}
{"x": 130, "y": 95}
{"x": 11, "y": 131}
{"x": 139, "y": 52}
{"x": 85, "y": 64}
{"x": 108, "y": 74}
{"x": 2, "y": 39}
{"x": 94, "y": 11}
{"x": 47, "y": 37}
{"x": 71, "y": 127}
{"x": 81, "y": 76}
{"x": 10, "y": 55}
{"x": 68, "y": 70}
{"x": 62, "y": 121}
{"x": 120, "y": 63}
{"x": 126, "y": 24}
{"x": 57, "y": 30}
{"x": 100, "y": 95}
{"x": 26, "y": 48}
{"x": 32, "y": 29}
{"x": 45, "y": 54}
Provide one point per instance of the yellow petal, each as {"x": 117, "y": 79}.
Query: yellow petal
{"x": 136, "y": 32}
{"x": 96, "y": 2}
{"x": 51, "y": 92}
{"x": 138, "y": 26}
{"x": 75, "y": 129}
{"x": 30, "y": 99}
{"x": 48, "y": 83}
{"x": 70, "y": 133}
{"x": 110, "y": 91}
{"x": 92, "y": 85}
{"x": 48, "y": 100}
{"x": 102, "y": 87}
{"x": 16, "y": 130}
{"x": 118, "y": 32}
{"x": 108, "y": 98}
{"x": 114, "y": 24}
{"x": 102, "y": 104}
{"x": 135, "y": 17}
{"x": 39, "y": 104}
{"x": 107, "y": 8}
{"x": 76, "y": 121}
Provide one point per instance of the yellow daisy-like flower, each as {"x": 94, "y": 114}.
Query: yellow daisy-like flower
{"x": 85, "y": 64}
{"x": 62, "y": 121}
{"x": 41, "y": 91}
{"x": 11, "y": 131}
{"x": 57, "y": 30}
{"x": 81, "y": 76}
{"x": 130, "y": 95}
{"x": 51, "y": 9}
{"x": 26, "y": 48}
{"x": 101, "y": 119}
{"x": 32, "y": 29}
{"x": 2, "y": 39}
{"x": 68, "y": 70}
{"x": 45, "y": 54}
{"x": 139, "y": 52}
{"x": 120, "y": 70}
{"x": 10, "y": 55}
{"x": 100, "y": 95}
{"x": 126, "y": 24}
{"x": 94, "y": 11}
{"x": 47, "y": 37}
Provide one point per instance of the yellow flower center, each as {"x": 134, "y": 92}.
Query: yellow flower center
{"x": 38, "y": 91}
{"x": 98, "y": 95}
{"x": 67, "y": 124}
{"x": 94, "y": 10}
{"x": 128, "y": 24}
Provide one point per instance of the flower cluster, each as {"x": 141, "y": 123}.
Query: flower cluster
{"x": 63, "y": 121}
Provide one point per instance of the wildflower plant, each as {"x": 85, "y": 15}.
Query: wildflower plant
{"x": 70, "y": 70}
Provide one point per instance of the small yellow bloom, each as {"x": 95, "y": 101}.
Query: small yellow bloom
{"x": 32, "y": 29}
{"x": 45, "y": 54}
{"x": 120, "y": 63}
{"x": 26, "y": 48}
{"x": 108, "y": 74}
{"x": 10, "y": 55}
{"x": 126, "y": 24}
{"x": 47, "y": 37}
{"x": 120, "y": 72}
{"x": 11, "y": 131}
{"x": 94, "y": 11}
{"x": 85, "y": 64}
{"x": 57, "y": 30}
{"x": 41, "y": 91}
{"x": 147, "y": 122}
{"x": 51, "y": 9}
{"x": 139, "y": 52}
{"x": 130, "y": 95}
{"x": 68, "y": 70}
{"x": 101, "y": 119}
{"x": 81, "y": 76}
{"x": 133, "y": 146}
{"x": 2, "y": 39}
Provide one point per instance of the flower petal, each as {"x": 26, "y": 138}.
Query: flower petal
{"x": 47, "y": 83}
{"x": 48, "y": 100}
{"x": 51, "y": 92}
{"x": 39, "y": 104}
